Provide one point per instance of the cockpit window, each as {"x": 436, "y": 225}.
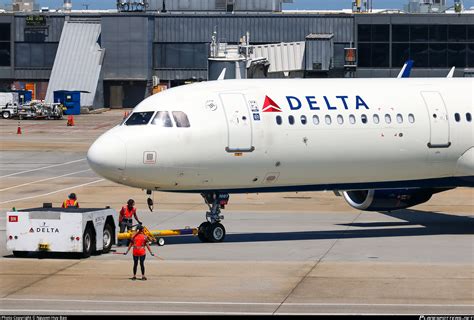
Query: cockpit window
{"x": 181, "y": 119}
{"x": 139, "y": 118}
{"x": 162, "y": 119}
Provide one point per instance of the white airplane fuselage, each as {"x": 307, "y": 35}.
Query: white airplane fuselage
{"x": 236, "y": 144}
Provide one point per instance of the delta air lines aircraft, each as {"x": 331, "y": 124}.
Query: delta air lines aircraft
{"x": 387, "y": 144}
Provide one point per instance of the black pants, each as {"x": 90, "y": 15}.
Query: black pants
{"x": 125, "y": 224}
{"x": 142, "y": 264}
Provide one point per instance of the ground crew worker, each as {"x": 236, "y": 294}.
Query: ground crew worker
{"x": 139, "y": 242}
{"x": 126, "y": 214}
{"x": 71, "y": 202}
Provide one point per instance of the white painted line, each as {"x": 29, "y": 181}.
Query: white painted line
{"x": 115, "y": 311}
{"x": 43, "y": 180}
{"x": 145, "y": 302}
{"x": 47, "y": 167}
{"x": 242, "y": 303}
{"x": 49, "y": 193}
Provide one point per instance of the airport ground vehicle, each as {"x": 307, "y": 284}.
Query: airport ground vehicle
{"x": 72, "y": 230}
{"x": 33, "y": 110}
{"x": 8, "y": 104}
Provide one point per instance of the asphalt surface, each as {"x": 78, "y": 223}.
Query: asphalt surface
{"x": 305, "y": 253}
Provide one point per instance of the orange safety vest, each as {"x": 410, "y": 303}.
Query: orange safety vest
{"x": 139, "y": 241}
{"x": 128, "y": 214}
{"x": 70, "y": 203}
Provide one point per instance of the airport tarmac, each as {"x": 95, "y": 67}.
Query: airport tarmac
{"x": 289, "y": 253}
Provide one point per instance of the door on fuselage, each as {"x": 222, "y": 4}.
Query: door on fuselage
{"x": 439, "y": 122}
{"x": 238, "y": 122}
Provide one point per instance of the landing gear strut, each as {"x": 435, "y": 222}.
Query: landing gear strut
{"x": 212, "y": 230}
{"x": 149, "y": 201}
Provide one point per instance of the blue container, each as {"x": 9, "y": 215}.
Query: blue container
{"x": 24, "y": 96}
{"x": 69, "y": 99}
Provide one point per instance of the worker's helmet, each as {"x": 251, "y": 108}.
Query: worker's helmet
{"x": 72, "y": 196}
{"x": 131, "y": 202}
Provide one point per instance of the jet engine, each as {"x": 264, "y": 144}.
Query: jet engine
{"x": 388, "y": 200}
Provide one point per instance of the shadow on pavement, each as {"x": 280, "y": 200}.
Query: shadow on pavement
{"x": 416, "y": 223}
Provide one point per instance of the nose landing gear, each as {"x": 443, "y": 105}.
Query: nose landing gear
{"x": 212, "y": 230}
{"x": 149, "y": 201}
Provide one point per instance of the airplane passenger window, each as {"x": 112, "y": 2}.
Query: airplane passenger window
{"x": 411, "y": 118}
{"x": 457, "y": 117}
{"x": 376, "y": 119}
{"x": 399, "y": 118}
{"x": 279, "y": 120}
{"x": 328, "y": 119}
{"x": 363, "y": 118}
{"x": 388, "y": 119}
{"x": 304, "y": 120}
{"x": 139, "y": 118}
{"x": 352, "y": 119}
{"x": 291, "y": 120}
{"x": 162, "y": 119}
{"x": 315, "y": 119}
{"x": 340, "y": 119}
{"x": 181, "y": 119}
{"x": 468, "y": 117}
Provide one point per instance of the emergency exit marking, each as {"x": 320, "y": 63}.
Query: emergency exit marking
{"x": 13, "y": 219}
{"x": 149, "y": 157}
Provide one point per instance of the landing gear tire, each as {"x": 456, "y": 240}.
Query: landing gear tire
{"x": 215, "y": 232}
{"x": 202, "y": 231}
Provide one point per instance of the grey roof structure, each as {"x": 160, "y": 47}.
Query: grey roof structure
{"x": 78, "y": 61}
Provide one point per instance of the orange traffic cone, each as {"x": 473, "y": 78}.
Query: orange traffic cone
{"x": 70, "y": 121}
{"x": 18, "y": 130}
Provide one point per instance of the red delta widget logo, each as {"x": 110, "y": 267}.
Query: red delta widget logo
{"x": 317, "y": 103}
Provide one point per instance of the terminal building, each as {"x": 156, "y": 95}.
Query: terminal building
{"x": 118, "y": 57}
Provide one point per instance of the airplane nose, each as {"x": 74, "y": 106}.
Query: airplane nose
{"x": 107, "y": 156}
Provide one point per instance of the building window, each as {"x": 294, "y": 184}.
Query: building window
{"x": 180, "y": 55}
{"x": 457, "y": 117}
{"x": 291, "y": 120}
{"x": 5, "y": 47}
{"x": 432, "y": 46}
{"x": 315, "y": 119}
{"x": 373, "y": 45}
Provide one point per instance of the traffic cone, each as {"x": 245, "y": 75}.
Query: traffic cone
{"x": 70, "y": 121}
{"x": 18, "y": 130}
